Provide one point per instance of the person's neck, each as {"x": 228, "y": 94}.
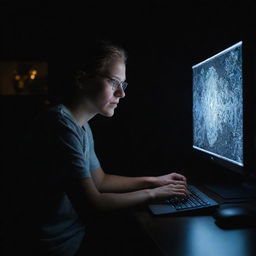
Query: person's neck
{"x": 80, "y": 112}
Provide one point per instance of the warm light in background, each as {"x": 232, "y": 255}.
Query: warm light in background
{"x": 17, "y": 77}
{"x": 32, "y": 73}
{"x": 23, "y": 77}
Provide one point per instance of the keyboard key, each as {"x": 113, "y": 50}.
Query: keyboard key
{"x": 194, "y": 200}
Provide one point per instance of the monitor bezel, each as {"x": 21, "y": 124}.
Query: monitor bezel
{"x": 249, "y": 74}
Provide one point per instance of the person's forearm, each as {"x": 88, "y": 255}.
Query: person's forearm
{"x": 114, "y": 183}
{"x": 112, "y": 201}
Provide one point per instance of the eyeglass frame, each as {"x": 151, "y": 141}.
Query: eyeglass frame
{"x": 115, "y": 82}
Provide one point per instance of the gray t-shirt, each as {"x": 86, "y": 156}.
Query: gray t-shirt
{"x": 56, "y": 152}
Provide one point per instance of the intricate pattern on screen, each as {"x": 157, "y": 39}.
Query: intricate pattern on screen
{"x": 218, "y": 105}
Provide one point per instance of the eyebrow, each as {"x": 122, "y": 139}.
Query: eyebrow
{"x": 118, "y": 78}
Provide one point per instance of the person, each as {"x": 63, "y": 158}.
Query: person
{"x": 63, "y": 181}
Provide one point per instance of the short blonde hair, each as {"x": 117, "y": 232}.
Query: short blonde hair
{"x": 99, "y": 55}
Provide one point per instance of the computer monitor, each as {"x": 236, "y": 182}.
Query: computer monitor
{"x": 222, "y": 111}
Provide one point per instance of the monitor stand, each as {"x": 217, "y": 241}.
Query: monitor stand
{"x": 236, "y": 191}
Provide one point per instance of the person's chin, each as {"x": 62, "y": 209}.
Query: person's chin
{"x": 109, "y": 113}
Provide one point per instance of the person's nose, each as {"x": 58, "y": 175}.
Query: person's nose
{"x": 120, "y": 92}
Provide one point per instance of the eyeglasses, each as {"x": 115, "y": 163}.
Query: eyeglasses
{"x": 116, "y": 84}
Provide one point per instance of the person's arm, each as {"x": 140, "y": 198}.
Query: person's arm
{"x": 114, "y": 183}
{"x": 111, "y": 201}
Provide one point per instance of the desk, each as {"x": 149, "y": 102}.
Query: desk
{"x": 196, "y": 235}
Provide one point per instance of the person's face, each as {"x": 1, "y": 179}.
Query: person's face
{"x": 106, "y": 96}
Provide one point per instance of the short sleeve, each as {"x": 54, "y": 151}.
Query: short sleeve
{"x": 94, "y": 162}
{"x": 71, "y": 152}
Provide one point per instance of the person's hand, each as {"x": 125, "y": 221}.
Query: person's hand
{"x": 169, "y": 191}
{"x": 172, "y": 178}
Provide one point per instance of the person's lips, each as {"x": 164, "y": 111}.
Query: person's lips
{"x": 114, "y": 103}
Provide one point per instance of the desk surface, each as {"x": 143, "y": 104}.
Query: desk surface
{"x": 196, "y": 235}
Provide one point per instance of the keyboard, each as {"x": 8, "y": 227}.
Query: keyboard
{"x": 195, "y": 201}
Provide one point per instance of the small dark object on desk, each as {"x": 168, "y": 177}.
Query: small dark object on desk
{"x": 232, "y": 217}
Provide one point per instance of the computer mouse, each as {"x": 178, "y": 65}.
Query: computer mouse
{"x": 234, "y": 217}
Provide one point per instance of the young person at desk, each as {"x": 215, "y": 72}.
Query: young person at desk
{"x": 64, "y": 175}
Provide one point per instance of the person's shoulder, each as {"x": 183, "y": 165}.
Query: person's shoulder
{"x": 51, "y": 116}
{"x": 48, "y": 113}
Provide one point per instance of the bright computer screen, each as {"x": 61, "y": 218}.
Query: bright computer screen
{"x": 218, "y": 106}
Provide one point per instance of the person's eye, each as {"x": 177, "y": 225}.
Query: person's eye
{"x": 114, "y": 82}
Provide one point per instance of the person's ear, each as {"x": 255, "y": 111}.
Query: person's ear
{"x": 80, "y": 79}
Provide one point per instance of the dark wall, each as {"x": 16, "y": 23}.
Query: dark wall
{"x": 151, "y": 130}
